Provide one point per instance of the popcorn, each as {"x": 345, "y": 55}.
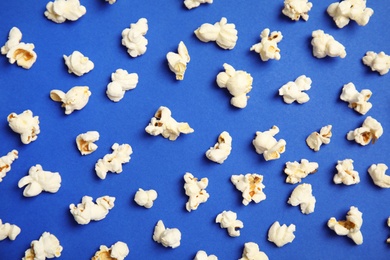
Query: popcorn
{"x": 251, "y": 186}
{"x": 377, "y": 173}
{"x": 202, "y": 255}
{"x": 356, "y": 100}
{"x": 121, "y": 81}
{"x": 252, "y": 252}
{"x": 85, "y": 142}
{"x": 21, "y": 53}
{"x": 268, "y": 46}
{"x": 388, "y": 224}
{"x": 111, "y": 1}
{"x": 315, "y": 140}
{"x": 221, "y": 150}
{"x": 302, "y": 195}
{"x": 346, "y": 10}
{"x": 223, "y": 33}
{"x": 168, "y": 237}
{"x": 6, "y": 161}
{"x": 377, "y": 62}
{"x": 39, "y": 180}
{"x": 296, "y": 9}
{"x": 195, "y": 3}
{"x": 78, "y": 64}
{"x": 133, "y": 38}
{"x": 350, "y": 227}
{"x": 325, "y": 45}
{"x": 113, "y": 162}
{"x": 281, "y": 235}
{"x": 178, "y": 61}
{"x": 371, "y": 130}
{"x": 292, "y": 91}
{"x": 117, "y": 251}
{"x": 163, "y": 123}
{"x": 267, "y": 145}
{"x": 25, "y": 124}
{"x": 145, "y": 198}
{"x": 228, "y": 220}
{"x": 195, "y": 190}
{"x": 345, "y": 173}
{"x": 61, "y": 10}
{"x": 87, "y": 210}
{"x": 8, "y": 231}
{"x": 297, "y": 171}
{"x": 75, "y": 99}
{"x": 48, "y": 246}
{"x": 238, "y": 83}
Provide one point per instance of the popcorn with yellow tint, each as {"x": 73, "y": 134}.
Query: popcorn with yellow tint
{"x": 295, "y": 9}
{"x": 349, "y": 227}
{"x": 228, "y": 220}
{"x": 8, "y": 230}
{"x": 266, "y": 144}
{"x": 345, "y": 173}
{"x": 177, "y": 62}
{"x": 6, "y": 161}
{"x": 315, "y": 139}
{"x": 75, "y": 99}
{"x": 86, "y": 142}
{"x": 78, "y": 64}
{"x": 281, "y": 235}
{"x": 378, "y": 175}
{"x": 221, "y": 150}
{"x": 25, "y": 124}
{"x": 346, "y": 10}
{"x": 168, "y": 237}
{"x": 87, "y": 210}
{"x": 195, "y": 190}
{"x": 117, "y": 251}
{"x": 370, "y": 131}
{"x": 48, "y": 246}
{"x": 325, "y": 45}
{"x": 268, "y": 46}
{"x": 296, "y": 171}
{"x": 357, "y": 100}
{"x": 251, "y": 185}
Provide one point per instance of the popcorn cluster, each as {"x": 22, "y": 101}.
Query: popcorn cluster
{"x": 133, "y": 38}
{"x": 121, "y": 81}
{"x": 266, "y": 144}
{"x": 251, "y": 186}
{"x": 195, "y": 190}
{"x": 168, "y": 237}
{"x": 75, "y": 99}
{"x": 87, "y": 210}
{"x": 268, "y": 46}
{"x": 61, "y": 10}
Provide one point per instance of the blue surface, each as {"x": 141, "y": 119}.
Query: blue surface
{"x": 159, "y": 163}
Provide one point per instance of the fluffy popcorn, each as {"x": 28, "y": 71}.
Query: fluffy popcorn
{"x": 349, "y": 227}
{"x": 295, "y": 9}
{"x": 113, "y": 162}
{"x": 377, "y": 62}
{"x": 121, "y": 81}
{"x": 6, "y": 162}
{"x": 117, "y": 251}
{"x": 268, "y": 46}
{"x": 195, "y": 3}
{"x": 266, "y": 144}
{"x": 281, "y": 235}
{"x": 228, "y": 220}
{"x": 202, "y": 255}
{"x": 8, "y": 230}
{"x": 78, "y": 64}
{"x": 87, "y": 210}
{"x": 237, "y": 82}
{"x": 315, "y": 139}
{"x": 177, "y": 62}
{"x": 325, "y": 45}
{"x": 357, "y": 100}
{"x": 221, "y": 150}
{"x": 39, "y": 180}
{"x": 168, "y": 237}
{"x": 85, "y": 142}
{"x": 111, "y": 1}
{"x": 133, "y": 38}
{"x": 25, "y": 124}
{"x": 195, "y": 190}
{"x": 293, "y": 91}
{"x": 61, "y": 10}
{"x": 251, "y": 186}
{"x": 378, "y": 175}
{"x": 371, "y": 130}
{"x": 302, "y": 195}
{"x": 223, "y": 33}
{"x": 296, "y": 171}
{"x": 163, "y": 123}
{"x": 345, "y": 173}
{"x": 75, "y": 99}
{"x": 252, "y": 252}
{"x": 48, "y": 246}
{"x": 145, "y": 198}
{"x": 346, "y": 10}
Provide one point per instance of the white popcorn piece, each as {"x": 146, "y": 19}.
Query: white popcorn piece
{"x": 61, "y": 10}
{"x": 281, "y": 235}
{"x": 346, "y": 10}
{"x": 377, "y": 62}
{"x": 25, "y": 124}
{"x": 223, "y": 33}
{"x": 221, "y": 150}
{"x": 39, "y": 180}
{"x": 8, "y": 230}
{"x": 296, "y": 171}
{"x": 75, "y": 99}
{"x": 251, "y": 186}
{"x": 325, "y": 45}
{"x": 117, "y": 251}
{"x": 202, "y": 255}
{"x": 177, "y": 62}
{"x": 302, "y": 196}
{"x": 133, "y": 38}
{"x": 87, "y": 210}
{"x": 111, "y": 1}
{"x": 168, "y": 237}
{"x": 378, "y": 175}
{"x": 268, "y": 46}
{"x": 78, "y": 64}
{"x": 293, "y": 91}
{"x": 163, "y": 123}
{"x": 48, "y": 246}
{"x": 121, "y": 81}
{"x": 85, "y": 142}
{"x": 237, "y": 82}
{"x": 228, "y": 220}
{"x": 315, "y": 139}
{"x": 266, "y": 144}
{"x": 113, "y": 162}
{"x": 195, "y": 190}
{"x": 295, "y": 9}
{"x": 6, "y": 162}
{"x": 145, "y": 198}
{"x": 345, "y": 173}
{"x": 371, "y": 130}
{"x": 357, "y": 100}
{"x": 195, "y": 3}
{"x": 252, "y": 252}
{"x": 349, "y": 227}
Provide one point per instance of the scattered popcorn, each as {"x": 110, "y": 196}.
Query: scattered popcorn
{"x": 87, "y": 210}
{"x": 78, "y": 64}
{"x": 266, "y": 144}
{"x": 296, "y": 9}
{"x": 195, "y": 190}
{"x": 345, "y": 173}
{"x": 113, "y": 162}
{"x": 252, "y": 252}
{"x": 268, "y": 46}
{"x": 85, "y": 142}
{"x": 315, "y": 140}
{"x": 121, "y": 81}
{"x": 377, "y": 173}
{"x": 133, "y": 38}
{"x": 228, "y": 220}
{"x": 178, "y": 61}
{"x": 195, "y": 3}
{"x": 377, "y": 62}
{"x": 25, "y": 124}
{"x": 75, "y": 99}
{"x": 48, "y": 246}
{"x": 117, "y": 251}
{"x": 237, "y": 82}
{"x": 346, "y": 10}
{"x": 163, "y": 123}
{"x": 281, "y": 235}
{"x": 350, "y": 227}
{"x": 251, "y": 186}
{"x": 302, "y": 195}
{"x": 202, "y": 255}
{"x": 223, "y": 33}
{"x": 145, "y": 198}
{"x": 325, "y": 45}
{"x": 293, "y": 91}
{"x": 39, "y": 180}
{"x": 6, "y": 161}
{"x": 8, "y": 231}
{"x": 297, "y": 171}
{"x": 221, "y": 150}
{"x": 356, "y": 100}
{"x": 168, "y": 237}
{"x": 111, "y": 1}
{"x": 61, "y": 10}
{"x": 371, "y": 130}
